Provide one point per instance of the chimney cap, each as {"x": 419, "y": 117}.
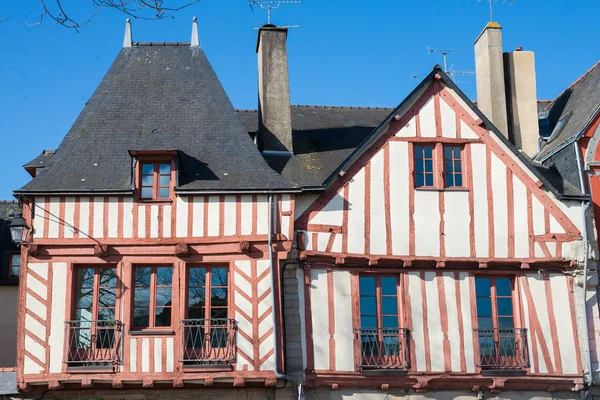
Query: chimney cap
{"x": 519, "y": 48}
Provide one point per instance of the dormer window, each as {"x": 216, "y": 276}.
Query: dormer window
{"x": 155, "y": 174}
{"x": 155, "y": 181}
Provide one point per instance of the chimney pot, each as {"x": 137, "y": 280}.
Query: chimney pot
{"x": 519, "y": 48}
{"x": 127, "y": 38}
{"x": 195, "y": 42}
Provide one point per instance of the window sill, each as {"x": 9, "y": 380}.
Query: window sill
{"x": 91, "y": 369}
{"x": 150, "y": 201}
{"x": 432, "y": 189}
{"x": 153, "y": 332}
{"x": 383, "y": 372}
{"x": 207, "y": 368}
{"x": 503, "y": 372}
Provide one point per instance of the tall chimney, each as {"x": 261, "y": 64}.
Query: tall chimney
{"x": 519, "y": 67}
{"x": 489, "y": 69}
{"x": 274, "y": 115}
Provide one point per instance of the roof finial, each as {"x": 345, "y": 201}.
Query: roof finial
{"x": 195, "y": 40}
{"x": 127, "y": 38}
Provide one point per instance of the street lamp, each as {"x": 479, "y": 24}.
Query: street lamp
{"x": 19, "y": 229}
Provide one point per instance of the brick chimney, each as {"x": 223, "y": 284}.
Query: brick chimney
{"x": 521, "y": 100}
{"x": 489, "y": 70}
{"x": 274, "y": 115}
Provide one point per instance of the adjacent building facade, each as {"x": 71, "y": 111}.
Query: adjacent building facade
{"x": 324, "y": 252}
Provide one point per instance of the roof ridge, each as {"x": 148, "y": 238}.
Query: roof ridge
{"x": 574, "y": 83}
{"x": 343, "y": 107}
{"x": 161, "y": 43}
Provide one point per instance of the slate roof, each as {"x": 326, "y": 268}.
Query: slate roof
{"x": 8, "y": 383}
{"x": 577, "y": 104}
{"x": 323, "y": 136}
{"x": 41, "y": 160}
{"x": 159, "y": 97}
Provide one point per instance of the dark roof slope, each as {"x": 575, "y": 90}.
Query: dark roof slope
{"x": 577, "y": 105}
{"x": 323, "y": 137}
{"x": 158, "y": 98}
{"x": 41, "y": 160}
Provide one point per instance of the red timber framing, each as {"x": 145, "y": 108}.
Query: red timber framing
{"x": 545, "y": 240}
{"x": 457, "y": 361}
{"x": 151, "y": 357}
{"x": 520, "y": 232}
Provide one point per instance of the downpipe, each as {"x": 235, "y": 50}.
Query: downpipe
{"x": 278, "y": 374}
{"x": 584, "y": 212}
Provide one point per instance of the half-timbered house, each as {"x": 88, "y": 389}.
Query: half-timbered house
{"x": 156, "y": 233}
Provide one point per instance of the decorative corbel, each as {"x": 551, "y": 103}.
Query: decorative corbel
{"x": 182, "y": 250}
{"x": 243, "y": 246}
{"x": 101, "y": 250}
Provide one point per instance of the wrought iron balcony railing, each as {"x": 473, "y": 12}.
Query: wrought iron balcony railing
{"x": 384, "y": 348}
{"x": 93, "y": 344}
{"x": 503, "y": 348}
{"x": 207, "y": 341}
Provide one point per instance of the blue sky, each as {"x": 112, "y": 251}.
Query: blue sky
{"x": 351, "y": 52}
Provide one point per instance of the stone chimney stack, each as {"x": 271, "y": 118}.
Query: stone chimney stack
{"x": 521, "y": 99}
{"x": 127, "y": 39}
{"x": 489, "y": 70}
{"x": 274, "y": 115}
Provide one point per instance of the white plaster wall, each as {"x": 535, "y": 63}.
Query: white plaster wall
{"x": 456, "y": 224}
{"x": 56, "y": 339}
{"x": 480, "y": 201}
{"x": 356, "y": 213}
{"x": 500, "y": 209}
{"x": 427, "y": 119}
{"x": 320, "y": 317}
{"x": 213, "y": 215}
{"x": 427, "y": 223}
{"x": 448, "y": 117}
{"x": 198, "y": 216}
{"x": 399, "y": 193}
{"x": 344, "y": 334}
{"x": 332, "y": 213}
{"x": 378, "y": 234}
{"x": 181, "y": 229}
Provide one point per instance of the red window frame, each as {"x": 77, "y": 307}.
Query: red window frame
{"x": 208, "y": 287}
{"x": 451, "y": 175}
{"x": 494, "y": 297}
{"x": 156, "y": 175}
{"x": 420, "y": 158}
{"x": 95, "y": 290}
{"x": 152, "y": 307}
{"x": 11, "y": 256}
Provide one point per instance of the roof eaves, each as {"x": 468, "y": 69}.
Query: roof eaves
{"x": 574, "y": 84}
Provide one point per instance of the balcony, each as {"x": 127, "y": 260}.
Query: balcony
{"x": 208, "y": 342}
{"x": 384, "y": 349}
{"x": 503, "y": 349}
{"x": 93, "y": 344}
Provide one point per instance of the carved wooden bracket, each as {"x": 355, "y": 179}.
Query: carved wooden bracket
{"x": 33, "y": 249}
{"x": 182, "y": 250}
{"x": 54, "y": 385}
{"x": 243, "y": 246}
{"x": 270, "y": 382}
{"x": 101, "y": 250}
{"x": 422, "y": 384}
{"x": 117, "y": 384}
{"x": 374, "y": 262}
{"x": 23, "y": 387}
{"x": 209, "y": 381}
{"x": 239, "y": 382}
{"x": 87, "y": 383}
{"x": 148, "y": 383}
{"x": 497, "y": 385}
{"x": 385, "y": 386}
{"x": 303, "y": 256}
{"x": 177, "y": 383}
{"x": 335, "y": 386}
{"x": 340, "y": 260}
{"x": 440, "y": 264}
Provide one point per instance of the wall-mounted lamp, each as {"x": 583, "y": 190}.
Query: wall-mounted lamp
{"x": 19, "y": 229}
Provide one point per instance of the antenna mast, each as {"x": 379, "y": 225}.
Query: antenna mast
{"x": 272, "y": 5}
{"x": 450, "y": 70}
{"x": 492, "y": 7}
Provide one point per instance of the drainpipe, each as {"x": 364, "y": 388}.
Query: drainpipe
{"x": 272, "y": 270}
{"x": 584, "y": 212}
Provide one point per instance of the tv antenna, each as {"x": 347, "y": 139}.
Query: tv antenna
{"x": 273, "y": 5}
{"x": 491, "y": 3}
{"x": 450, "y": 71}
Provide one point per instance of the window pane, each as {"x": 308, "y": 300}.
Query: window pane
{"x": 486, "y": 346}
{"x": 141, "y": 317}
{"x": 418, "y": 151}
{"x": 448, "y": 166}
{"x": 196, "y": 313}
{"x": 219, "y": 277}
{"x": 368, "y": 322}
{"x": 447, "y": 152}
{"x": 108, "y": 277}
{"x": 197, "y": 277}
{"x": 85, "y": 277}
{"x": 368, "y": 305}
{"x": 389, "y": 305}
{"x": 388, "y": 285}
{"x": 195, "y": 297}
{"x": 428, "y": 165}
{"x": 106, "y": 314}
{"x": 482, "y": 287}
{"x": 164, "y": 169}
{"x": 390, "y": 322}
{"x": 484, "y": 307}
{"x": 367, "y": 285}
{"x": 505, "y": 307}
{"x": 146, "y": 193}
{"x": 164, "y": 276}
{"x": 420, "y": 181}
{"x": 141, "y": 297}
{"x": 147, "y": 169}
{"x": 503, "y": 287}
{"x": 147, "y": 180}
{"x": 83, "y": 314}
{"x": 164, "y": 180}
{"x": 142, "y": 276}
{"x": 485, "y": 323}
{"x": 428, "y": 180}
{"x": 164, "y": 193}
{"x": 449, "y": 180}
{"x": 457, "y": 166}
{"x": 458, "y": 180}
{"x": 219, "y": 297}
{"x": 428, "y": 151}
{"x": 107, "y": 298}
{"x": 163, "y": 297}
{"x": 84, "y": 298}
{"x": 419, "y": 164}
{"x": 457, "y": 152}
{"x": 218, "y": 313}
{"x": 163, "y": 317}
{"x": 15, "y": 264}
{"x": 506, "y": 323}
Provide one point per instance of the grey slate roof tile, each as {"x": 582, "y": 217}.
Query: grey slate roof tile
{"x": 158, "y": 98}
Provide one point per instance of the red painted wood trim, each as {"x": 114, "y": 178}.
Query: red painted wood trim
{"x": 35, "y": 359}
{"x": 444, "y": 320}
{"x": 387, "y": 198}
{"x": 355, "y": 296}
{"x": 105, "y": 218}
{"x": 457, "y": 121}
{"x": 163, "y": 353}
{"x": 530, "y": 225}
{"x": 41, "y": 342}
{"x": 490, "y": 198}
{"x": 315, "y": 241}
{"x": 331, "y": 310}
{"x": 46, "y": 215}
{"x": 425, "y": 324}
{"x": 255, "y": 214}
{"x": 573, "y": 315}
{"x": 510, "y": 198}
{"x": 161, "y": 220}
{"x": 151, "y": 358}
{"x": 417, "y": 124}
{"x": 49, "y": 311}
{"x": 221, "y": 216}
{"x": 27, "y": 215}
{"x": 61, "y": 217}
{"x": 205, "y": 224}
{"x": 325, "y": 228}
{"x": 174, "y": 217}
{"x": 546, "y": 221}
{"x": 136, "y": 207}
{"x": 310, "y": 351}
{"x": 461, "y": 329}
{"x": 442, "y": 226}
{"x": 38, "y": 277}
{"x": 120, "y": 217}
{"x": 345, "y": 218}
{"x": 190, "y": 221}
{"x": 330, "y": 242}
{"x": 238, "y": 214}
{"x": 434, "y": 140}
{"x": 411, "y": 202}
{"x": 76, "y": 216}
{"x": 147, "y": 229}
{"x": 552, "y": 321}
{"x": 367, "y": 195}
{"x": 474, "y": 323}
{"x": 544, "y": 249}
{"x": 469, "y": 178}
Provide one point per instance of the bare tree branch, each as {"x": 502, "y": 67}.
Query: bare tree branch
{"x": 139, "y": 9}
